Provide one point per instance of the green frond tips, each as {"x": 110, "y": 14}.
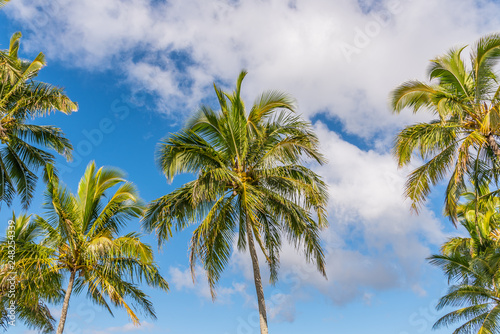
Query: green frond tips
{"x": 14, "y": 44}
{"x": 251, "y": 186}
{"x": 242, "y": 76}
{"x": 412, "y": 94}
{"x": 3, "y": 3}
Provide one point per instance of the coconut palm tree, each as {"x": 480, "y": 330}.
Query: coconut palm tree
{"x": 465, "y": 103}
{"x": 21, "y": 99}
{"x": 251, "y": 185}
{"x": 79, "y": 236}
{"x": 479, "y": 213}
{"x": 35, "y": 285}
{"x": 475, "y": 292}
{"x": 473, "y": 265}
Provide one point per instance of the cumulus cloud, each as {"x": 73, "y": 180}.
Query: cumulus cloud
{"x": 373, "y": 240}
{"x": 337, "y": 57}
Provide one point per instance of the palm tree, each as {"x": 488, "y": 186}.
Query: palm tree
{"x": 23, "y": 98}
{"x": 37, "y": 281}
{"x": 250, "y": 184}
{"x": 79, "y": 236}
{"x": 473, "y": 265}
{"x": 475, "y": 292}
{"x": 479, "y": 213}
{"x": 3, "y": 3}
{"x": 465, "y": 103}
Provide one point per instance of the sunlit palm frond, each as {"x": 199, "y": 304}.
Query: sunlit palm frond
{"x": 466, "y": 100}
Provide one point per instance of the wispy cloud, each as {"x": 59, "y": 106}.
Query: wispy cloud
{"x": 181, "y": 279}
{"x": 144, "y": 326}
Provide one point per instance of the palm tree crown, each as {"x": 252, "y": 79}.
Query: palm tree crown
{"x": 23, "y": 98}
{"x": 465, "y": 101}
{"x": 36, "y": 285}
{"x": 250, "y": 185}
{"x": 80, "y": 236}
{"x": 472, "y": 265}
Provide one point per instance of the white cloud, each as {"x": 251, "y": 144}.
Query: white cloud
{"x": 373, "y": 240}
{"x": 296, "y": 46}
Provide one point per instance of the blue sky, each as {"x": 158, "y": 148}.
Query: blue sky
{"x": 138, "y": 68}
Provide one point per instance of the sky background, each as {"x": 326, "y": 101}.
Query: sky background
{"x": 139, "y": 68}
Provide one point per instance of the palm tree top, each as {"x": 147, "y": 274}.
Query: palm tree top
{"x": 471, "y": 265}
{"x": 248, "y": 165}
{"x": 18, "y": 75}
{"x": 451, "y": 78}
{"x": 465, "y": 102}
{"x": 251, "y": 188}
{"x": 79, "y": 235}
{"x": 23, "y": 98}
{"x": 37, "y": 285}
{"x": 230, "y": 133}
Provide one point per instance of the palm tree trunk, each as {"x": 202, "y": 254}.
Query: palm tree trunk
{"x": 492, "y": 143}
{"x": 64, "y": 311}
{"x": 258, "y": 281}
